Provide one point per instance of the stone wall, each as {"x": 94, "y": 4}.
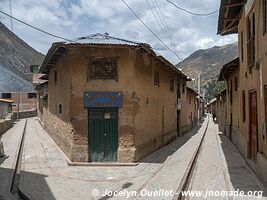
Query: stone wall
{"x": 26, "y": 114}
{"x": 6, "y": 124}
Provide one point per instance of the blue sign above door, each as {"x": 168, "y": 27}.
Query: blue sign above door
{"x": 103, "y": 99}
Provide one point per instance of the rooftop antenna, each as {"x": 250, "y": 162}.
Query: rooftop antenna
{"x": 11, "y": 20}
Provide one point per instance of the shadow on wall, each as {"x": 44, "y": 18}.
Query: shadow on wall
{"x": 36, "y": 184}
{"x": 161, "y": 155}
{"x": 241, "y": 177}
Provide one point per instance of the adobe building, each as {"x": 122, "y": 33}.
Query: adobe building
{"x": 192, "y": 108}
{"x": 230, "y": 74}
{"x": 221, "y": 114}
{"x": 26, "y": 100}
{"x": 5, "y": 107}
{"x": 249, "y": 20}
{"x": 109, "y": 99}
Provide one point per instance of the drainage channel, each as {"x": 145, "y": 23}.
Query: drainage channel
{"x": 184, "y": 184}
{"x": 14, "y": 189}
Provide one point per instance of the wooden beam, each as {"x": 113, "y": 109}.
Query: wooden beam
{"x": 231, "y": 19}
{"x": 234, "y": 4}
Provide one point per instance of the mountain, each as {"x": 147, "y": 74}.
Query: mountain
{"x": 16, "y": 56}
{"x": 208, "y": 63}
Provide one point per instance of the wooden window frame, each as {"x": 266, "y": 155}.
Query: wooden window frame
{"x": 190, "y": 99}
{"x": 60, "y": 108}
{"x": 102, "y": 68}
{"x": 55, "y": 76}
{"x": 156, "y": 79}
{"x": 231, "y": 92}
{"x": 172, "y": 85}
{"x": 251, "y": 39}
{"x": 32, "y": 95}
{"x": 178, "y": 90}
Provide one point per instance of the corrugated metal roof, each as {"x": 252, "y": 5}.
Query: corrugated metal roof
{"x": 7, "y": 100}
{"x": 100, "y": 38}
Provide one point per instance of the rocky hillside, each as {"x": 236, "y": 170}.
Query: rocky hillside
{"x": 208, "y": 63}
{"x": 15, "y": 58}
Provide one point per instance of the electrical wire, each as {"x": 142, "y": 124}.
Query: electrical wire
{"x": 171, "y": 38}
{"x": 38, "y": 29}
{"x": 151, "y": 30}
{"x": 160, "y": 26}
{"x": 193, "y": 13}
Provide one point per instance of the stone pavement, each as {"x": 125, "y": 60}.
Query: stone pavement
{"x": 46, "y": 174}
{"x": 220, "y": 167}
{"x": 11, "y": 140}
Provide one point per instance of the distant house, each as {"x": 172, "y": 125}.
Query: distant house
{"x": 27, "y": 100}
{"x": 5, "y": 107}
{"x": 212, "y": 107}
{"x": 247, "y": 111}
{"x": 192, "y": 108}
{"x": 109, "y": 99}
{"x": 221, "y": 113}
{"x": 230, "y": 74}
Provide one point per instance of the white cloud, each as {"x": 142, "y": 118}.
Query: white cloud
{"x": 75, "y": 18}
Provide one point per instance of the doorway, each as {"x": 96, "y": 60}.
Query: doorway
{"x": 103, "y": 134}
{"x": 253, "y": 126}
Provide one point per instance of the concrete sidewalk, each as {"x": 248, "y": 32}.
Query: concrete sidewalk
{"x": 11, "y": 140}
{"x": 220, "y": 167}
{"x": 46, "y": 174}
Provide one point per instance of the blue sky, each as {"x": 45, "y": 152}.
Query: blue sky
{"x": 75, "y": 18}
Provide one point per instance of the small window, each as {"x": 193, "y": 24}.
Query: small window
{"x": 102, "y": 68}
{"x": 32, "y": 96}
{"x": 244, "y": 105}
{"x": 172, "y": 85}
{"x": 178, "y": 91}
{"x": 156, "y": 78}
{"x": 59, "y": 108}
{"x": 6, "y": 95}
{"x": 183, "y": 89}
{"x": 189, "y": 99}
{"x": 231, "y": 92}
{"x": 55, "y": 76}
{"x": 34, "y": 69}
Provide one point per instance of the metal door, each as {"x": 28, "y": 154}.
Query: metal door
{"x": 253, "y": 123}
{"x": 103, "y": 134}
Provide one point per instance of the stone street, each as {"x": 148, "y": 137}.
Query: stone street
{"x": 46, "y": 174}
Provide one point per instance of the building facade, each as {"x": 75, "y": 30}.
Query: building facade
{"x": 109, "y": 99}
{"x": 23, "y": 101}
{"x": 5, "y": 107}
{"x": 192, "y": 108}
{"x": 249, "y": 20}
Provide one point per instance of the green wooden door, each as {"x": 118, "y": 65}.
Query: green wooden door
{"x": 103, "y": 134}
